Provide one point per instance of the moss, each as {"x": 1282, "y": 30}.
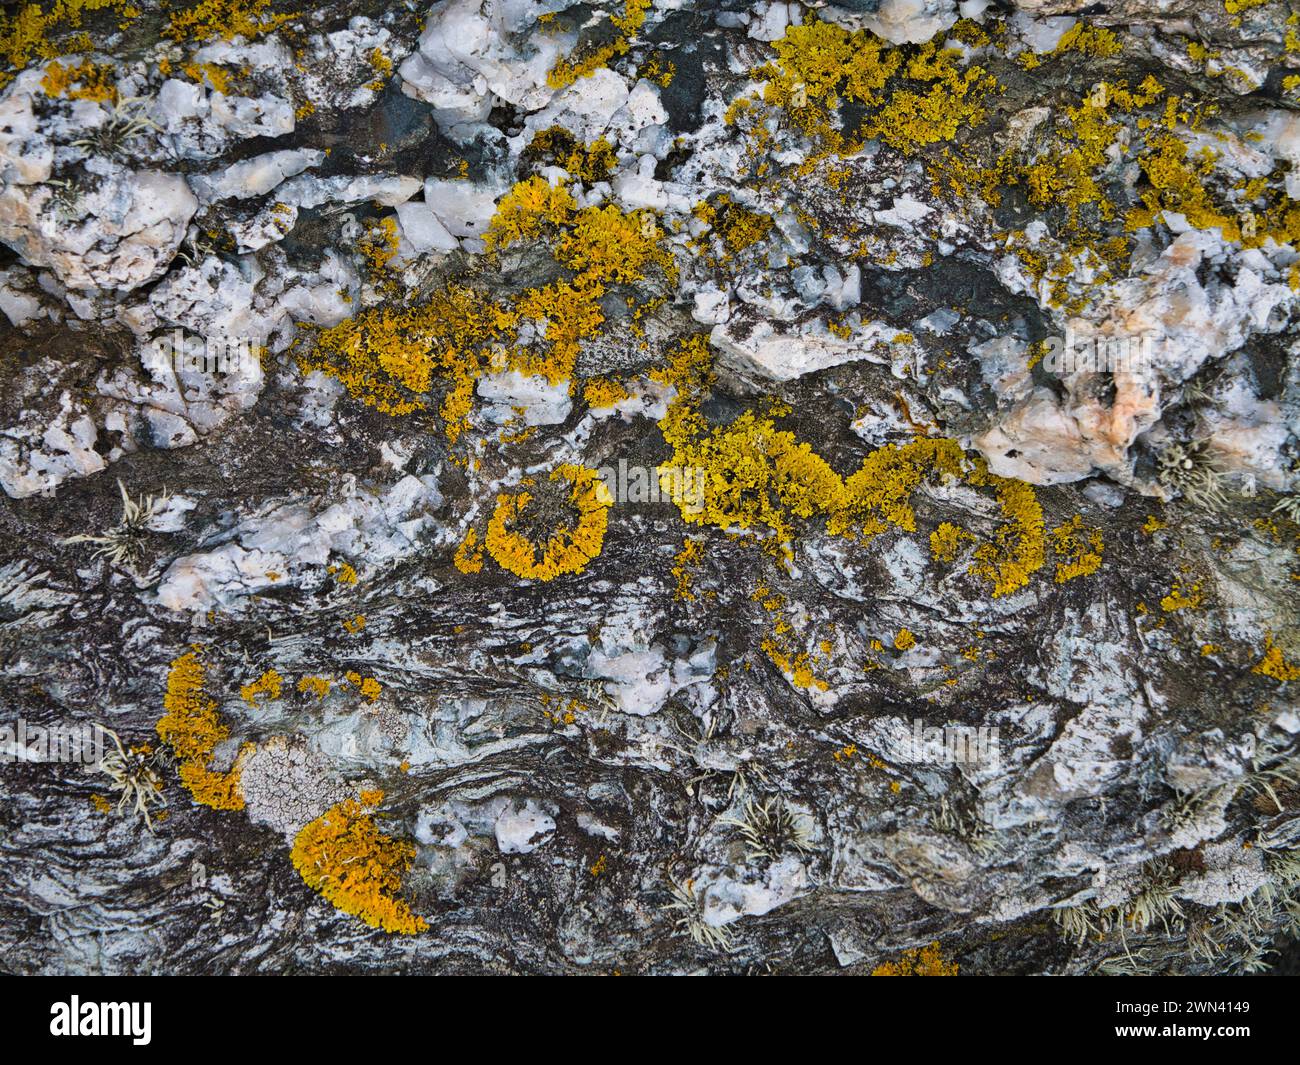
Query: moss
{"x": 346, "y": 858}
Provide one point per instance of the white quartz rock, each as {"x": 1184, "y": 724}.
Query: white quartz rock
{"x": 472, "y": 53}
{"x": 256, "y": 176}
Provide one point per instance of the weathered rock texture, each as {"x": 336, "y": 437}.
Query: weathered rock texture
{"x": 969, "y": 333}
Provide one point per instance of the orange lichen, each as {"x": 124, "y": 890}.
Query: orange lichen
{"x": 918, "y": 961}
{"x": 191, "y": 726}
{"x": 268, "y": 684}
{"x": 344, "y": 856}
{"x": 566, "y": 547}
{"x": 1275, "y": 665}
{"x": 469, "y": 553}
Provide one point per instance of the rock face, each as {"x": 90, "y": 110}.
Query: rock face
{"x": 543, "y": 487}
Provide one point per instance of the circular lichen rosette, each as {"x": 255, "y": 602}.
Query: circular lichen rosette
{"x": 550, "y": 527}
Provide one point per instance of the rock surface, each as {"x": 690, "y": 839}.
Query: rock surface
{"x": 651, "y": 487}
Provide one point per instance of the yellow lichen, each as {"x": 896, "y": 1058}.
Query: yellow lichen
{"x": 1275, "y": 665}
{"x": 519, "y": 541}
{"x": 367, "y": 686}
{"x": 317, "y": 686}
{"x": 912, "y": 96}
{"x": 268, "y": 684}
{"x": 556, "y": 146}
{"x": 1176, "y": 600}
{"x": 227, "y": 19}
{"x": 469, "y": 553}
{"x": 601, "y": 393}
{"x": 346, "y": 858}
{"x": 85, "y": 81}
{"x": 567, "y": 71}
{"x": 526, "y": 210}
{"x": 35, "y": 31}
{"x": 1080, "y": 549}
{"x": 946, "y": 540}
{"x": 755, "y": 476}
{"x": 343, "y": 572}
{"x": 683, "y": 564}
{"x": 191, "y": 726}
{"x": 919, "y": 961}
